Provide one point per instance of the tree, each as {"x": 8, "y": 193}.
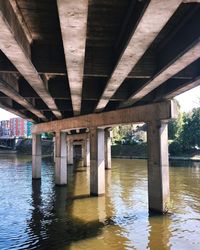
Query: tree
{"x": 129, "y": 134}
{"x": 175, "y": 125}
{"x": 190, "y": 133}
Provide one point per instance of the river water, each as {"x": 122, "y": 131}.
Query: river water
{"x": 38, "y": 215}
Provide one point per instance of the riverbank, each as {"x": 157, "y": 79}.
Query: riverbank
{"x": 140, "y": 152}
{"x": 24, "y": 147}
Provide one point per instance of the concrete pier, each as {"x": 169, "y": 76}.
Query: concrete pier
{"x": 61, "y": 159}
{"x": 54, "y": 149}
{"x": 97, "y": 128}
{"x": 87, "y": 152}
{"x": 36, "y": 156}
{"x": 107, "y": 149}
{"x": 158, "y": 167}
{"x": 70, "y": 153}
{"x": 97, "y": 162}
{"x": 83, "y": 153}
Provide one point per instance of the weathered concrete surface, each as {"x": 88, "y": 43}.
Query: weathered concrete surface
{"x": 36, "y": 156}
{"x": 146, "y": 31}
{"x": 61, "y": 159}
{"x": 16, "y": 112}
{"x": 70, "y": 155}
{"x": 107, "y": 149}
{"x": 158, "y": 167}
{"x": 183, "y": 88}
{"x": 180, "y": 63}
{"x": 14, "y": 95}
{"x": 158, "y": 111}
{"x": 73, "y": 22}
{"x": 97, "y": 162}
{"x": 87, "y": 152}
{"x": 16, "y": 47}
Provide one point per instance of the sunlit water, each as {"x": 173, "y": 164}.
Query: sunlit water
{"x": 38, "y": 215}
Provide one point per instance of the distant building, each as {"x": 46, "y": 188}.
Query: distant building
{"x": 15, "y": 127}
{"x": 5, "y": 128}
{"x": 18, "y": 127}
{"x": 29, "y": 127}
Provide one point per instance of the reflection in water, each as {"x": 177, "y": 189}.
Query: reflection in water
{"x": 159, "y": 232}
{"x": 43, "y": 216}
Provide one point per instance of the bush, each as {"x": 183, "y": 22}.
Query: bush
{"x": 175, "y": 147}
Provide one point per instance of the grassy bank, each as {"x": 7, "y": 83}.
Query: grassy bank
{"x": 140, "y": 152}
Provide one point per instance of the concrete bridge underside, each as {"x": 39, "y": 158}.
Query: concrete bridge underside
{"x": 83, "y": 66}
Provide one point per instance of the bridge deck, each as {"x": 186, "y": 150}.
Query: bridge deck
{"x": 60, "y": 59}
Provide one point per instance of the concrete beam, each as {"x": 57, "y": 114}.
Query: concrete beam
{"x": 183, "y": 88}
{"x": 73, "y": 22}
{"x": 21, "y": 20}
{"x": 172, "y": 69}
{"x": 16, "y": 112}
{"x": 14, "y": 95}
{"x": 15, "y": 46}
{"x": 146, "y": 31}
{"x": 191, "y": 1}
{"x": 146, "y": 113}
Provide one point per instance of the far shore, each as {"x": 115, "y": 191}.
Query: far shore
{"x": 177, "y": 158}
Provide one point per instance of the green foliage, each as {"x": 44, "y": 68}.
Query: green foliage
{"x": 184, "y": 133}
{"x": 190, "y": 133}
{"x": 129, "y": 134}
{"x": 175, "y": 126}
{"x": 175, "y": 147}
{"x": 48, "y": 135}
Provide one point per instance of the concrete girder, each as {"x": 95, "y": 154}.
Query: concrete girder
{"x": 14, "y": 95}
{"x": 20, "y": 17}
{"x": 191, "y": 1}
{"x": 73, "y": 22}
{"x": 158, "y": 111}
{"x": 15, "y": 46}
{"x": 176, "y": 66}
{"x": 146, "y": 31}
{"x": 185, "y": 87}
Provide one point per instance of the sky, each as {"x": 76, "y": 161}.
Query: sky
{"x": 188, "y": 100}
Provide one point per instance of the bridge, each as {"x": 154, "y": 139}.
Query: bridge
{"x": 83, "y": 66}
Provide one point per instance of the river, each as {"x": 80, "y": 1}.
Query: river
{"x": 38, "y": 215}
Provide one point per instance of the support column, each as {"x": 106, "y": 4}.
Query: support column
{"x": 107, "y": 149}
{"x": 158, "y": 167}
{"x": 83, "y": 153}
{"x": 36, "y": 156}
{"x": 97, "y": 162}
{"x": 70, "y": 155}
{"x": 87, "y": 152}
{"x": 61, "y": 159}
{"x": 54, "y": 149}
